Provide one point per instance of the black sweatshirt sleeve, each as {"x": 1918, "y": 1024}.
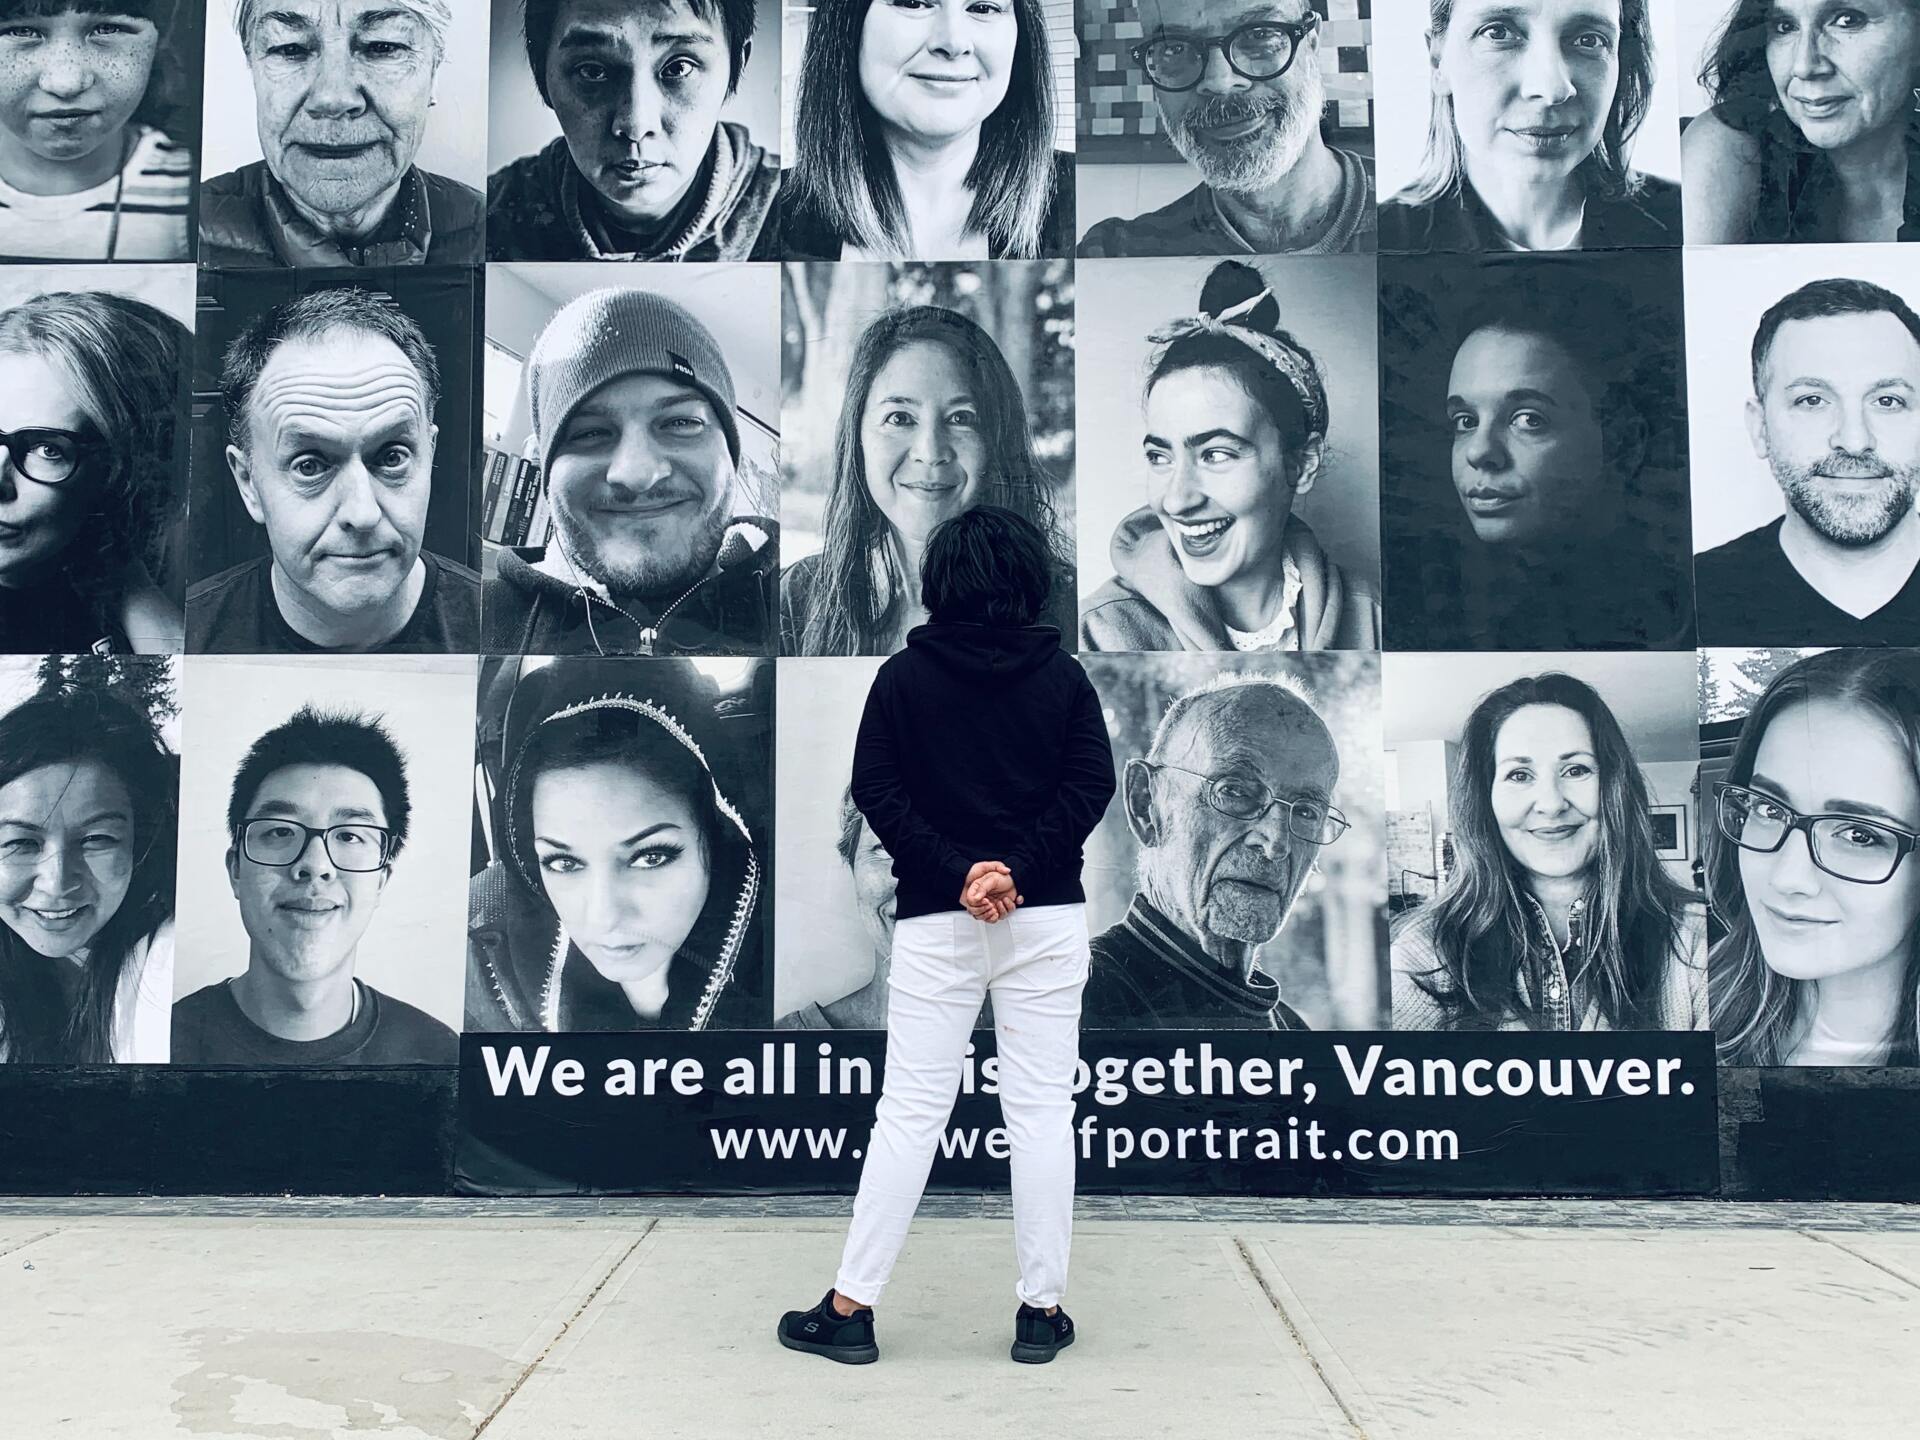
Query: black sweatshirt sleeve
{"x": 1086, "y": 787}
{"x": 880, "y": 794}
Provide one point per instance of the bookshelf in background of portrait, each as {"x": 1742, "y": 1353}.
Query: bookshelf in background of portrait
{"x": 513, "y": 506}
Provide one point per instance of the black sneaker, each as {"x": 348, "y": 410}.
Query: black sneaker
{"x": 1038, "y": 1336}
{"x": 825, "y": 1331}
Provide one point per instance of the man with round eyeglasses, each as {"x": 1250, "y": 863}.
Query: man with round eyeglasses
{"x": 1240, "y": 90}
{"x": 1229, "y": 808}
{"x": 317, "y": 816}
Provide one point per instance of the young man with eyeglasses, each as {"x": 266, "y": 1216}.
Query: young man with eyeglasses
{"x": 1241, "y": 93}
{"x": 317, "y": 816}
{"x": 1230, "y": 808}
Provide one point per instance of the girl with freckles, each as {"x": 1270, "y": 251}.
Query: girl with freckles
{"x": 1810, "y": 865}
{"x": 626, "y": 889}
{"x": 88, "y": 799}
{"x": 1557, "y": 914}
{"x": 90, "y": 166}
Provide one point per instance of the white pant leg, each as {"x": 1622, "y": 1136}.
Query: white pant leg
{"x": 1039, "y": 969}
{"x": 938, "y": 980}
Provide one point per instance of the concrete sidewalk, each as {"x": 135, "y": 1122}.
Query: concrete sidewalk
{"x": 305, "y": 1320}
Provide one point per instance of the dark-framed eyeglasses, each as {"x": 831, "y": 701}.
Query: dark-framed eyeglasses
{"x": 356, "y": 849}
{"x": 51, "y": 457}
{"x": 1240, "y": 798}
{"x": 1847, "y": 847}
{"x": 1262, "y": 50}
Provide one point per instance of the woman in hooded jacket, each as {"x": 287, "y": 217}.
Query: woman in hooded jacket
{"x": 1236, "y": 432}
{"x": 625, "y": 888}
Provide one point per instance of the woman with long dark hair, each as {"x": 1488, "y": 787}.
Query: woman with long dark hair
{"x": 89, "y": 492}
{"x": 1216, "y": 559}
{"x": 1814, "y": 133}
{"x": 932, "y": 425}
{"x": 88, "y": 805}
{"x": 925, "y": 131}
{"x": 626, "y": 885}
{"x": 1810, "y": 866}
{"x": 1535, "y": 110}
{"x": 1557, "y": 914}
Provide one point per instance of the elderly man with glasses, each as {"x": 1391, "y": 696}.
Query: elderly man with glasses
{"x": 1241, "y": 93}
{"x": 1229, "y": 808}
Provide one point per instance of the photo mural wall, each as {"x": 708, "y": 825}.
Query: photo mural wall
{"x": 465, "y": 467}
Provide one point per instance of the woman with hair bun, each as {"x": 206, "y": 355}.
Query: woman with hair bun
{"x": 1236, "y": 431}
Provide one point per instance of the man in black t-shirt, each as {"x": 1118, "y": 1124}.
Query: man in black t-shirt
{"x": 1836, "y": 416}
{"x": 329, "y": 401}
{"x": 317, "y": 816}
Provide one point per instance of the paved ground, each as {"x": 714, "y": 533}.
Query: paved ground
{"x": 1336, "y": 1320}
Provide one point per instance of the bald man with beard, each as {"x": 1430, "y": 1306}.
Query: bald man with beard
{"x": 1229, "y": 808}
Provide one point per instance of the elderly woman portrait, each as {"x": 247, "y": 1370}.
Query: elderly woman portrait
{"x": 1535, "y": 108}
{"x": 1234, "y": 428}
{"x": 931, "y": 421}
{"x": 1812, "y": 130}
{"x": 97, "y": 128}
{"x": 924, "y": 129}
{"x": 343, "y": 91}
{"x": 90, "y": 493}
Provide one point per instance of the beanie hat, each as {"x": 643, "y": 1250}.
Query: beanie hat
{"x": 606, "y": 334}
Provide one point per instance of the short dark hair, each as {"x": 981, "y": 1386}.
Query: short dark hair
{"x": 322, "y": 737}
{"x": 1825, "y": 299}
{"x": 538, "y": 17}
{"x": 339, "y": 307}
{"x": 986, "y": 566}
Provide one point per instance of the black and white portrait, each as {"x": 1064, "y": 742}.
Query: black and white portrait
{"x": 1810, "y": 798}
{"x": 620, "y": 880}
{"x": 1528, "y": 888}
{"x": 1214, "y": 127}
{"x": 332, "y": 494}
{"x": 99, "y": 117}
{"x": 1528, "y": 124}
{"x": 1230, "y": 489}
{"x": 631, "y": 474}
{"x": 913, "y": 393}
{"x": 324, "y": 832}
{"x": 343, "y": 132}
{"x": 1801, "y": 122}
{"x": 89, "y": 795}
{"x": 833, "y": 879}
{"x": 935, "y": 131}
{"x": 1235, "y": 882}
{"x": 93, "y": 500}
{"x": 1805, "y": 377}
{"x": 627, "y": 131}
{"x": 1534, "y": 452}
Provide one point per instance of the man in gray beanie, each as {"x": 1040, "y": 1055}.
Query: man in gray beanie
{"x": 633, "y": 422}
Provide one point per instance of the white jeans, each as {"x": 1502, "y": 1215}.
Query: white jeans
{"x": 1035, "y": 963}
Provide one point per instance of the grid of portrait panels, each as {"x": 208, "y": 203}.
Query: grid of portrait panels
{"x": 465, "y": 467}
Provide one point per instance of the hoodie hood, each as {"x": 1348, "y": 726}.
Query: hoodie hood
{"x": 673, "y": 699}
{"x": 988, "y": 655}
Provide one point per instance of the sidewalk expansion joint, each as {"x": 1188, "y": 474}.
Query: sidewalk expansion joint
{"x": 534, "y": 1364}
{"x": 1880, "y": 1265}
{"x": 1279, "y": 1309}
{"x": 18, "y": 1246}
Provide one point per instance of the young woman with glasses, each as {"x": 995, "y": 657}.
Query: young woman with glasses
{"x": 1557, "y": 914}
{"x": 1809, "y": 864}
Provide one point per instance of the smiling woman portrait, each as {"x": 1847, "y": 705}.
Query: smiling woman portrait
{"x": 1810, "y": 866}
{"x": 1557, "y": 913}
{"x": 1815, "y": 125}
{"x": 1536, "y": 104}
{"x": 924, "y": 130}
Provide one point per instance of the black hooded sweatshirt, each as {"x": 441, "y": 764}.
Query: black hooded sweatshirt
{"x": 982, "y": 742}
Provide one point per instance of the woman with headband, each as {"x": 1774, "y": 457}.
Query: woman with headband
{"x": 1236, "y": 432}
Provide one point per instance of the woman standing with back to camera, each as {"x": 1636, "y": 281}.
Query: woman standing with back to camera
{"x": 983, "y": 765}
{"x": 1812, "y": 135}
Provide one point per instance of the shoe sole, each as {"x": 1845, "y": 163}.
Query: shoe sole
{"x": 1038, "y": 1354}
{"x": 845, "y": 1354}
